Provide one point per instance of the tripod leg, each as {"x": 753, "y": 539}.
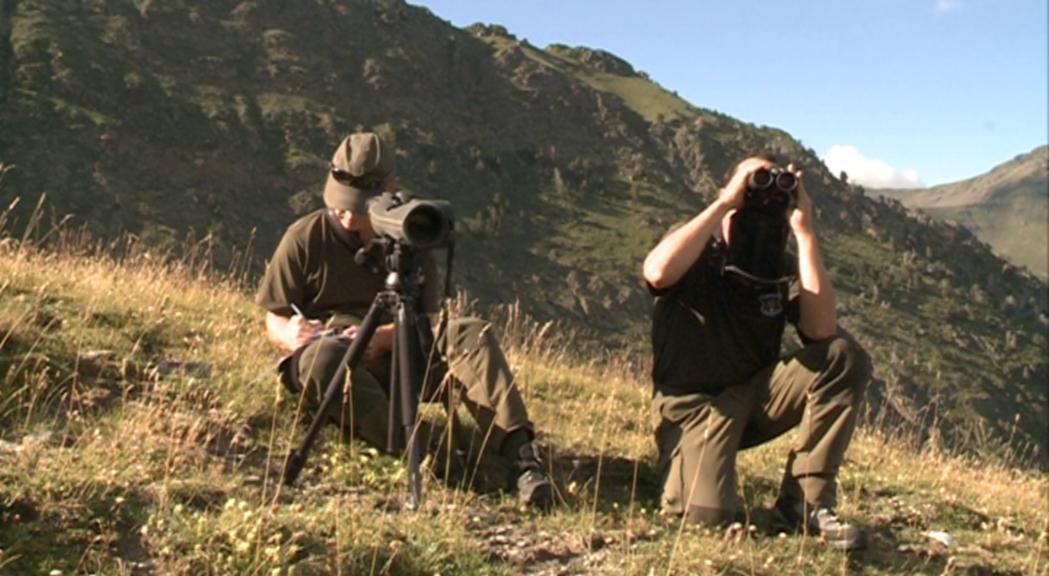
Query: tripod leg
{"x": 392, "y": 442}
{"x": 297, "y": 458}
{"x": 409, "y": 357}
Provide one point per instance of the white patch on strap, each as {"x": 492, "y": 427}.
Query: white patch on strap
{"x": 771, "y": 304}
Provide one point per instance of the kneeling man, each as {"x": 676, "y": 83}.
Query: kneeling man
{"x": 725, "y": 287}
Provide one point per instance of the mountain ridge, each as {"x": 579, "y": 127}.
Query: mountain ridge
{"x": 1008, "y": 207}
{"x": 982, "y": 188}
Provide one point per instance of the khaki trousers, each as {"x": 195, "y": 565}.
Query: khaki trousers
{"x": 816, "y": 389}
{"x": 480, "y": 378}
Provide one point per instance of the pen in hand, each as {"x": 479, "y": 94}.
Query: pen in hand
{"x": 305, "y": 329}
{"x": 320, "y": 333}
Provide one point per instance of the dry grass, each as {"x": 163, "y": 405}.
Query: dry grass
{"x": 143, "y": 432}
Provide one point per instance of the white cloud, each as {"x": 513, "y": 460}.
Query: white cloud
{"x": 869, "y": 172}
{"x": 947, "y": 6}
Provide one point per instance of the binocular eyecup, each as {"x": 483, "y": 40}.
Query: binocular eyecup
{"x": 770, "y": 188}
{"x": 765, "y": 178}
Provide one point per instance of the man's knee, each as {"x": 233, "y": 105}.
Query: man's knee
{"x": 319, "y": 362}
{"x": 469, "y": 334}
{"x": 848, "y": 363}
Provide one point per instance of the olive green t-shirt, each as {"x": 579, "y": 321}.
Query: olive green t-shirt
{"x": 314, "y": 268}
{"x": 711, "y": 331}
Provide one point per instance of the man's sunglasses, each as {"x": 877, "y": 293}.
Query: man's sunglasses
{"x": 366, "y": 182}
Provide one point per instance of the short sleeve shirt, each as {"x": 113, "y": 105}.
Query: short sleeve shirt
{"x": 711, "y": 331}
{"x": 314, "y": 267}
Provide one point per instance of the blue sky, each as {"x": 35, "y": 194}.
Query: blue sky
{"x": 895, "y": 92}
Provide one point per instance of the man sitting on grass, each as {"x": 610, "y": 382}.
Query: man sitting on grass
{"x": 314, "y": 271}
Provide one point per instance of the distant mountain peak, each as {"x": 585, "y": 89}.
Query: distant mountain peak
{"x": 599, "y": 60}
{"x": 482, "y": 30}
{"x": 1008, "y": 207}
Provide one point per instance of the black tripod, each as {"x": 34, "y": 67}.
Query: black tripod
{"x": 402, "y": 298}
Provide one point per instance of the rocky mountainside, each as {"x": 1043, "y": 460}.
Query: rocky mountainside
{"x": 1008, "y": 207}
{"x": 165, "y": 118}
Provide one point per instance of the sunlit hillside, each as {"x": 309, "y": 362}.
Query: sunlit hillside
{"x": 142, "y": 431}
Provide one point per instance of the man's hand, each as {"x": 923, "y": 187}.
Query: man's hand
{"x": 801, "y": 218}
{"x": 733, "y": 193}
{"x": 679, "y": 249}
{"x": 380, "y": 345}
{"x": 299, "y": 332}
{"x": 291, "y": 333}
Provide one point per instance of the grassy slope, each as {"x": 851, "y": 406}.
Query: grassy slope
{"x": 114, "y": 462}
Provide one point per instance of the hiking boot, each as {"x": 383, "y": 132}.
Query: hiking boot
{"x": 821, "y": 521}
{"x": 534, "y": 489}
{"x": 450, "y": 466}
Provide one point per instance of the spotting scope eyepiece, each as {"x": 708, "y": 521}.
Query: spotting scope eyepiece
{"x": 418, "y": 223}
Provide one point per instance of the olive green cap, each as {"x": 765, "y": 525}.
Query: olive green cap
{"x": 358, "y": 169}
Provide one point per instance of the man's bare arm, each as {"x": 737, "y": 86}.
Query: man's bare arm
{"x": 819, "y": 303}
{"x": 680, "y": 249}
{"x": 676, "y": 253}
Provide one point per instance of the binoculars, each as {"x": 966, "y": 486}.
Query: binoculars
{"x": 770, "y": 189}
